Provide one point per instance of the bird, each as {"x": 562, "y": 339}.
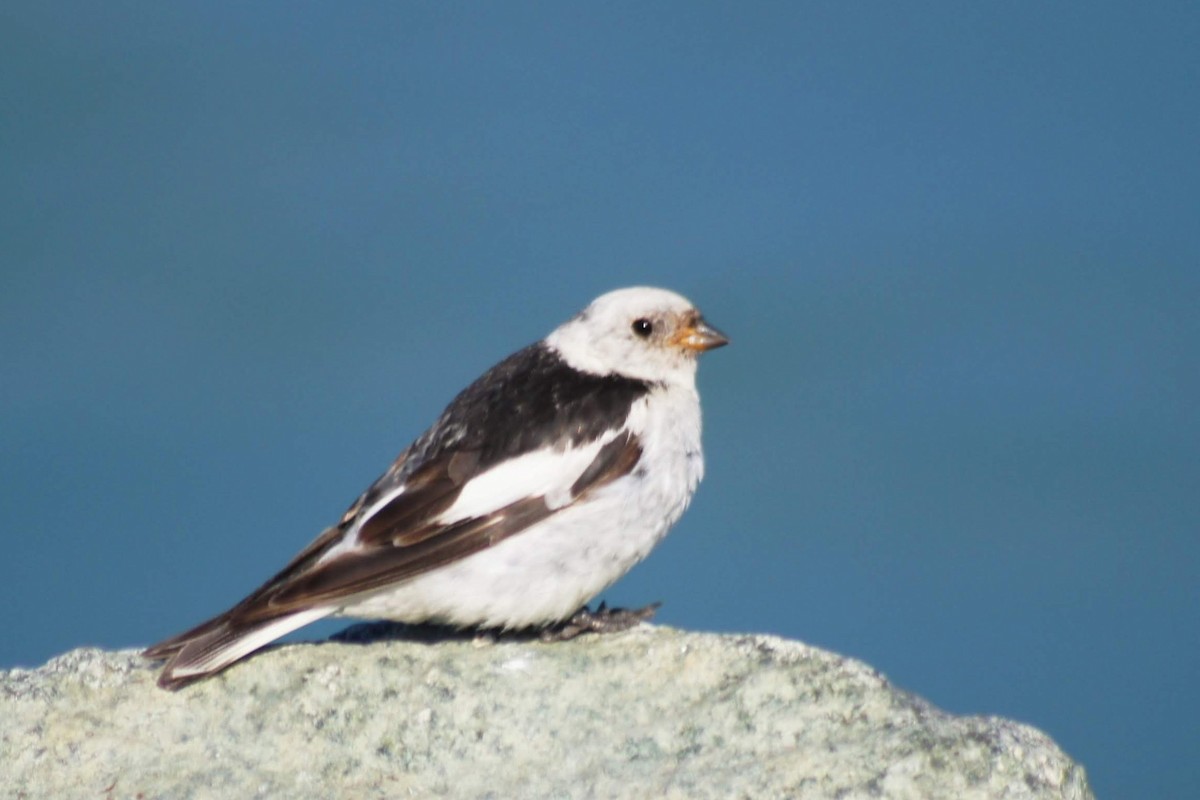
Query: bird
{"x": 539, "y": 485}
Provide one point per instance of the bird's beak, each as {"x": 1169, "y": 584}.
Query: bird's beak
{"x": 699, "y": 336}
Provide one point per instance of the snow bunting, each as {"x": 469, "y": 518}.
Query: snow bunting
{"x": 541, "y": 484}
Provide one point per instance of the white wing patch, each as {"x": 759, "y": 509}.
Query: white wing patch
{"x": 547, "y": 473}
{"x": 349, "y": 540}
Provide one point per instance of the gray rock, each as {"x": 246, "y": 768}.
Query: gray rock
{"x": 653, "y": 712}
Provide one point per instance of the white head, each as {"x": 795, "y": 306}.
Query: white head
{"x": 639, "y": 332}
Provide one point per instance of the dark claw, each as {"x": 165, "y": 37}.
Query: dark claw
{"x": 602, "y": 620}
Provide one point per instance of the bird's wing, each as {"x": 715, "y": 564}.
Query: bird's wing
{"x": 446, "y": 510}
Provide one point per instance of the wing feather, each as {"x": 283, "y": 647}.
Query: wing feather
{"x": 391, "y": 555}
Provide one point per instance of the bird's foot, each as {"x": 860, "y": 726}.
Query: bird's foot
{"x": 602, "y": 620}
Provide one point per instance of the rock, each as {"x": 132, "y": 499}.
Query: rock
{"x": 653, "y": 712}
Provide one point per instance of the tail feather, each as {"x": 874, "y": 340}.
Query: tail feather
{"x": 214, "y": 645}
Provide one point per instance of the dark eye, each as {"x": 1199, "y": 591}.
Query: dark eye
{"x": 643, "y": 327}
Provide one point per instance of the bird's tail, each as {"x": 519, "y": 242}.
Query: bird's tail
{"x": 214, "y": 645}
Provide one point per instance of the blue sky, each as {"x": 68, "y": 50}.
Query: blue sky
{"x": 248, "y": 253}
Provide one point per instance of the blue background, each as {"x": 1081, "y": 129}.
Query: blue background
{"x": 249, "y": 253}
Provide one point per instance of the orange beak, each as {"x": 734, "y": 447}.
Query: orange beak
{"x": 699, "y": 336}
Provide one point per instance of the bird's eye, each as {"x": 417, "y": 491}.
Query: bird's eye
{"x": 643, "y": 327}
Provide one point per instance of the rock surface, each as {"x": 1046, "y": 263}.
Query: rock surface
{"x": 653, "y": 712}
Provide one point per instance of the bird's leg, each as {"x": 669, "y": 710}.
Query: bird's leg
{"x": 602, "y": 620}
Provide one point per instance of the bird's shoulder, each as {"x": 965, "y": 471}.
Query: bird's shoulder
{"x": 530, "y": 400}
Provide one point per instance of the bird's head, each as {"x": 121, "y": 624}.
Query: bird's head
{"x": 640, "y": 332}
